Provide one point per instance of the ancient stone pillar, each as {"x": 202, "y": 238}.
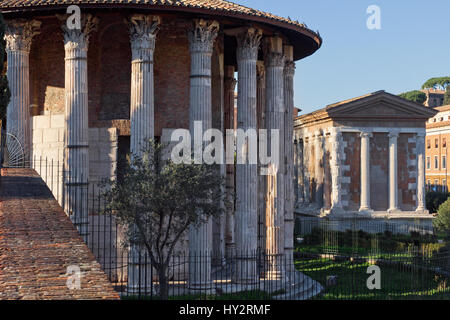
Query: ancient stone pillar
{"x": 300, "y": 165}
{"x": 246, "y": 223}
{"x": 18, "y": 36}
{"x": 76, "y": 42}
{"x": 275, "y": 119}
{"x": 307, "y": 155}
{"x": 289, "y": 71}
{"x": 393, "y": 179}
{"x": 230, "y": 86}
{"x": 201, "y": 42}
{"x": 143, "y": 30}
{"x": 260, "y": 114}
{"x": 365, "y": 171}
{"x": 420, "y": 151}
{"x": 336, "y": 138}
{"x": 318, "y": 168}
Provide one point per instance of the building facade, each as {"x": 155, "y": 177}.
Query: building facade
{"x": 435, "y": 97}
{"x": 363, "y": 157}
{"x": 137, "y": 70}
{"x": 438, "y": 134}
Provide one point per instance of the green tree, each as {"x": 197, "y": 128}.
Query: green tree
{"x": 415, "y": 96}
{"x": 157, "y": 200}
{"x": 4, "y": 89}
{"x": 442, "y": 221}
{"x": 447, "y": 96}
{"x": 437, "y": 83}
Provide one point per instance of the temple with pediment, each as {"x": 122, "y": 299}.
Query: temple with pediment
{"x": 362, "y": 158}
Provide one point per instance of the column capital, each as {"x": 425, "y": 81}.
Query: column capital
{"x": 202, "y": 35}
{"x": 260, "y": 71}
{"x": 248, "y": 44}
{"x": 393, "y": 134}
{"x": 366, "y": 134}
{"x": 143, "y": 31}
{"x": 78, "y": 39}
{"x": 289, "y": 68}
{"x": 19, "y": 34}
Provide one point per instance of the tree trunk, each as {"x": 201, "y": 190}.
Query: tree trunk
{"x": 163, "y": 285}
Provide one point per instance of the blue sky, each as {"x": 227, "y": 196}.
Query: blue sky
{"x": 412, "y": 46}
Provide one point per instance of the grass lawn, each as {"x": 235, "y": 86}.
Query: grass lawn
{"x": 396, "y": 282}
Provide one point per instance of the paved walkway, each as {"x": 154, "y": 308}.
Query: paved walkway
{"x": 38, "y": 242}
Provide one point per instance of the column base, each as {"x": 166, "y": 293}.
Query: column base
{"x": 422, "y": 211}
{"x": 366, "y": 211}
{"x": 394, "y": 210}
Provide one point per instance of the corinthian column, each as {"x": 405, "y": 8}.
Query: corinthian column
{"x": 18, "y": 36}
{"x": 289, "y": 71}
{"x": 260, "y": 115}
{"x": 201, "y": 41}
{"x": 230, "y": 86}
{"x": 393, "y": 180}
{"x": 420, "y": 150}
{"x": 336, "y": 204}
{"x": 246, "y": 174}
{"x": 143, "y": 30}
{"x": 76, "y": 42}
{"x": 275, "y": 120}
{"x": 365, "y": 171}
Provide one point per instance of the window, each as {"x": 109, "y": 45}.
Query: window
{"x": 436, "y": 143}
{"x": 428, "y": 144}
{"x": 444, "y": 143}
{"x": 428, "y": 163}
{"x": 444, "y": 162}
{"x": 436, "y": 162}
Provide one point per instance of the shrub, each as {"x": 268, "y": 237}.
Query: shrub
{"x": 435, "y": 199}
{"x": 442, "y": 221}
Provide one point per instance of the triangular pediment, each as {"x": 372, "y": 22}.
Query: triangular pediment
{"x": 380, "y": 105}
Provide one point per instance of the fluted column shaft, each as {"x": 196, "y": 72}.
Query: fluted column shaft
{"x": 420, "y": 147}
{"x": 18, "y": 36}
{"x": 246, "y": 174}
{"x": 76, "y": 42}
{"x": 393, "y": 179}
{"x": 318, "y": 168}
{"x": 300, "y": 165}
{"x": 229, "y": 90}
{"x": 260, "y": 114}
{"x": 201, "y": 41}
{"x": 365, "y": 171}
{"x": 336, "y": 196}
{"x": 289, "y": 71}
{"x": 143, "y": 30}
{"x": 275, "y": 119}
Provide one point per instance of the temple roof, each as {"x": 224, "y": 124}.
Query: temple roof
{"x": 211, "y": 7}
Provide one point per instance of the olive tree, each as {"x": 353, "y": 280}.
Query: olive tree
{"x": 157, "y": 201}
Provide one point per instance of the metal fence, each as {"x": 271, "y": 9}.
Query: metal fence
{"x": 331, "y": 258}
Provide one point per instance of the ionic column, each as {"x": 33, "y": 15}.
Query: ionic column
{"x": 275, "y": 118}
{"x": 246, "y": 222}
{"x": 335, "y": 161}
{"x": 143, "y": 30}
{"x": 393, "y": 180}
{"x": 300, "y": 165}
{"x": 76, "y": 42}
{"x": 201, "y": 43}
{"x": 365, "y": 171}
{"x": 289, "y": 71}
{"x": 230, "y": 86}
{"x": 260, "y": 114}
{"x": 420, "y": 150}
{"x": 18, "y": 36}
{"x": 318, "y": 168}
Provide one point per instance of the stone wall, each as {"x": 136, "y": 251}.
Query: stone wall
{"x": 48, "y": 152}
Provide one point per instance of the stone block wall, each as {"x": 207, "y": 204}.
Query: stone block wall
{"x": 351, "y": 166}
